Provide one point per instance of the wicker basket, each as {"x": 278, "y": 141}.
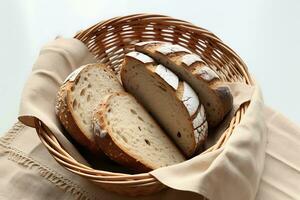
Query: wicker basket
{"x": 109, "y": 41}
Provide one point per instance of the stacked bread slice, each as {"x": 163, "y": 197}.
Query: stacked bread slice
{"x": 171, "y": 101}
{"x": 81, "y": 92}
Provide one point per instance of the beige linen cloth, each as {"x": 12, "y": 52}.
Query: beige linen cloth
{"x": 248, "y": 167}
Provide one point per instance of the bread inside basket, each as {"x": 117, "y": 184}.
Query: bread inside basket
{"x": 109, "y": 41}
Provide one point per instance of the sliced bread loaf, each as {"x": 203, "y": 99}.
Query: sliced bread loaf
{"x": 81, "y": 92}
{"x": 215, "y": 96}
{"x": 128, "y": 135}
{"x": 172, "y": 102}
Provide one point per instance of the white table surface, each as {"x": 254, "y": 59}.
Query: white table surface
{"x": 266, "y": 34}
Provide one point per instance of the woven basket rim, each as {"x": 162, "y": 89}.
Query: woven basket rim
{"x": 80, "y": 35}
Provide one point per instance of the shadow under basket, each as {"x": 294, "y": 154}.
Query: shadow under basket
{"x": 109, "y": 41}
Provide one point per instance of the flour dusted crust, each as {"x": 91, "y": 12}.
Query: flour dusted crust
{"x": 167, "y": 75}
{"x": 200, "y": 125}
{"x": 214, "y": 95}
{"x": 188, "y": 96}
{"x": 147, "y": 42}
{"x": 141, "y": 57}
{"x": 205, "y": 73}
{"x": 185, "y": 100}
{"x": 190, "y": 99}
{"x": 190, "y": 59}
{"x": 201, "y": 133}
{"x": 167, "y": 49}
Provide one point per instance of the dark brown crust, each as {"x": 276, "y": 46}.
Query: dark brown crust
{"x": 224, "y": 97}
{"x": 64, "y": 113}
{"x": 223, "y": 92}
{"x": 162, "y": 83}
{"x": 199, "y": 65}
{"x": 107, "y": 144}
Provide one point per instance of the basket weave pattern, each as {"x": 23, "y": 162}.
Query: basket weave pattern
{"x": 109, "y": 41}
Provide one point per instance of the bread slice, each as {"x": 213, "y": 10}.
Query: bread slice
{"x": 81, "y": 92}
{"x": 172, "y": 102}
{"x": 128, "y": 135}
{"x": 215, "y": 96}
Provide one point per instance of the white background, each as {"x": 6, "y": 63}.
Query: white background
{"x": 265, "y": 33}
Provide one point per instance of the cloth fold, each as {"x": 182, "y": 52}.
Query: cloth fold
{"x": 29, "y": 170}
{"x": 235, "y": 167}
{"x": 55, "y": 62}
